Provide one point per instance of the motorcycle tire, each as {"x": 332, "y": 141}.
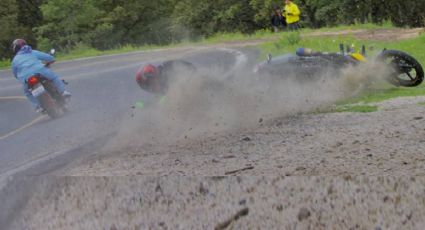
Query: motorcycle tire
{"x": 48, "y": 104}
{"x": 408, "y": 71}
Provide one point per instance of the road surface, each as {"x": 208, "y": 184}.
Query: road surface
{"x": 104, "y": 91}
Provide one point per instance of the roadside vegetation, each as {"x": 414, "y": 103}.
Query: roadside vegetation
{"x": 355, "y": 108}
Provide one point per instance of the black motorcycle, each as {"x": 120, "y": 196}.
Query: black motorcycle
{"x": 405, "y": 70}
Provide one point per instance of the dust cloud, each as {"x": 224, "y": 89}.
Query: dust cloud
{"x": 206, "y": 102}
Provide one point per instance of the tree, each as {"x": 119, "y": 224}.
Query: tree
{"x": 67, "y": 23}
{"x": 17, "y": 19}
{"x": 407, "y": 13}
{"x": 204, "y": 18}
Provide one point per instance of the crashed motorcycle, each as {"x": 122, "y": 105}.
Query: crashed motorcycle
{"x": 51, "y": 100}
{"x": 403, "y": 69}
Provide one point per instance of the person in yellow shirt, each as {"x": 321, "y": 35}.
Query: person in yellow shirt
{"x": 292, "y": 14}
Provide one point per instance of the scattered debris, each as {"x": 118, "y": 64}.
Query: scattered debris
{"x": 246, "y": 139}
{"x": 158, "y": 188}
{"x": 203, "y": 190}
{"x": 239, "y": 170}
{"x": 303, "y": 214}
{"x": 229, "y": 156}
{"x": 279, "y": 207}
{"x": 242, "y": 202}
{"x": 239, "y": 214}
{"x": 300, "y": 168}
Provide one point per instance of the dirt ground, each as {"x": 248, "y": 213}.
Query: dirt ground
{"x": 314, "y": 171}
{"x": 388, "y": 142}
{"x": 301, "y": 170}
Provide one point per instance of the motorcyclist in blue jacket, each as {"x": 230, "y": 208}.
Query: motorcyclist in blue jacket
{"x": 28, "y": 62}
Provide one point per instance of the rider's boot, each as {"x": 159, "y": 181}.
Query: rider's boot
{"x": 66, "y": 94}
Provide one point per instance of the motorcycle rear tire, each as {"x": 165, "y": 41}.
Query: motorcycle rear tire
{"x": 407, "y": 59}
{"x": 49, "y": 105}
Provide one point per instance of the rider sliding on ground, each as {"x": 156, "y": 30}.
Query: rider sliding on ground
{"x": 155, "y": 78}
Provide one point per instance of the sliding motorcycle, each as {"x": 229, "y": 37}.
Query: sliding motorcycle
{"x": 403, "y": 69}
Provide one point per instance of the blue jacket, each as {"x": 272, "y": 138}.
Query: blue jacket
{"x": 28, "y": 62}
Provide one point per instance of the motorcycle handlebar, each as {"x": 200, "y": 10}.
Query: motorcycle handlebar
{"x": 47, "y": 64}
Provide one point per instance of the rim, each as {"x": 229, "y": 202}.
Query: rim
{"x": 404, "y": 70}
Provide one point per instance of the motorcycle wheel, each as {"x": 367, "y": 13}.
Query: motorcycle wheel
{"x": 48, "y": 104}
{"x": 408, "y": 71}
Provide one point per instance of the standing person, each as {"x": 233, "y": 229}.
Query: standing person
{"x": 292, "y": 14}
{"x": 278, "y": 21}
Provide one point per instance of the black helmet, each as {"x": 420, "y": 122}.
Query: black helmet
{"x": 17, "y": 44}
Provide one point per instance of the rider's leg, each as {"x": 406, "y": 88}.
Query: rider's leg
{"x": 47, "y": 73}
{"x": 31, "y": 98}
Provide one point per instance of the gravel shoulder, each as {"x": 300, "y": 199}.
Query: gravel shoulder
{"x": 386, "y": 143}
{"x": 245, "y": 202}
{"x": 310, "y": 171}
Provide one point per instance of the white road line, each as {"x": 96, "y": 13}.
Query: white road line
{"x": 13, "y": 98}
{"x": 31, "y": 163}
{"x": 33, "y": 122}
{"x": 8, "y": 79}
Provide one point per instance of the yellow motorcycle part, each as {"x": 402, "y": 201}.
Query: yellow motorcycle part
{"x": 358, "y": 57}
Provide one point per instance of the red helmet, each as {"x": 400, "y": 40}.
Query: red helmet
{"x": 17, "y": 44}
{"x": 150, "y": 71}
{"x": 147, "y": 72}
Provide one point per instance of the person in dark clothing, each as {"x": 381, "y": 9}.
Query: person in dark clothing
{"x": 278, "y": 21}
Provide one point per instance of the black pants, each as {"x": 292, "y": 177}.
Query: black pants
{"x": 293, "y": 26}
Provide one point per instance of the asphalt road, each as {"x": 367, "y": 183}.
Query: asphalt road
{"x": 104, "y": 91}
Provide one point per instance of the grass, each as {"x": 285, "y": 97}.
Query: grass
{"x": 4, "y": 64}
{"x": 355, "y": 108}
{"x": 357, "y": 26}
{"x": 385, "y": 93}
{"x": 267, "y": 34}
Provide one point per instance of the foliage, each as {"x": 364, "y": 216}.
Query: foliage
{"x": 355, "y": 108}
{"x": 17, "y": 18}
{"x": 110, "y": 24}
